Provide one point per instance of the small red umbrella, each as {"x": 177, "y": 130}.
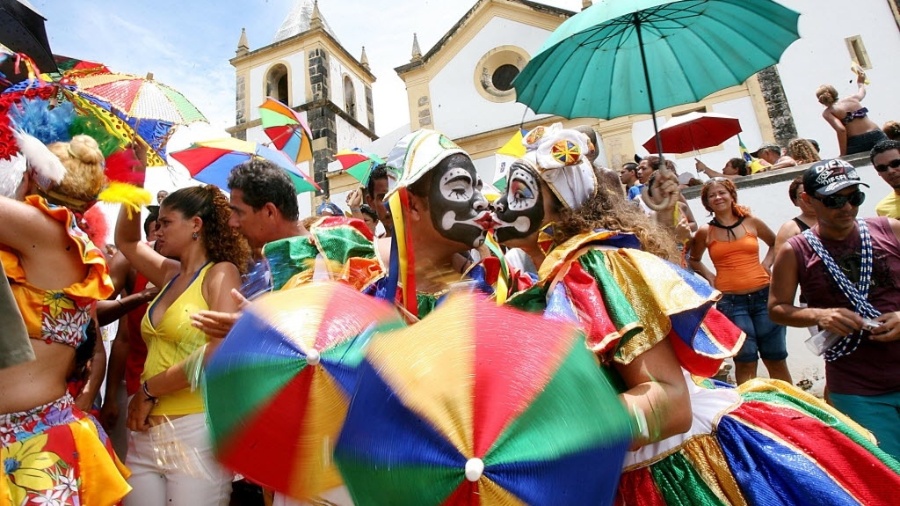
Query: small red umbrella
{"x": 694, "y": 131}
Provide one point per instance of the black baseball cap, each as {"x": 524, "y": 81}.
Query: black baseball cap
{"x": 829, "y": 176}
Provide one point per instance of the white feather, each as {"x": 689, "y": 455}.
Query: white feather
{"x": 39, "y": 158}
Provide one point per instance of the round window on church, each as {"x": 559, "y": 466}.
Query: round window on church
{"x": 496, "y": 70}
{"x": 503, "y": 77}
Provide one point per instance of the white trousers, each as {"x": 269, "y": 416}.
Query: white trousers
{"x": 172, "y": 465}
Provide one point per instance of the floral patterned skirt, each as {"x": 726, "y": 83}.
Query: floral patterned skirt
{"x": 55, "y": 454}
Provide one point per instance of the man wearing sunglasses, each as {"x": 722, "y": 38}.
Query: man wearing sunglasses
{"x": 885, "y": 157}
{"x": 849, "y": 272}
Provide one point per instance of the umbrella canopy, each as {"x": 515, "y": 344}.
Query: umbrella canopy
{"x": 618, "y": 58}
{"x": 139, "y": 97}
{"x": 99, "y": 117}
{"x": 482, "y": 404}
{"x": 69, "y": 66}
{"x": 279, "y": 385}
{"x": 358, "y": 164}
{"x": 212, "y": 161}
{"x": 287, "y": 129}
{"x": 593, "y": 65}
{"x": 155, "y": 133}
{"x": 694, "y": 131}
{"x": 22, "y": 30}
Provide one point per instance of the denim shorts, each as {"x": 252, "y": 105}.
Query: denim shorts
{"x": 749, "y": 312}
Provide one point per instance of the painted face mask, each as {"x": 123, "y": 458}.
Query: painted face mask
{"x": 519, "y": 212}
{"x": 458, "y": 209}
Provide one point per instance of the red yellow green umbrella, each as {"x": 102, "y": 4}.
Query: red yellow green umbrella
{"x": 278, "y": 387}
{"x": 211, "y": 161}
{"x": 482, "y": 404}
{"x": 287, "y": 130}
{"x": 358, "y": 164}
{"x": 140, "y": 97}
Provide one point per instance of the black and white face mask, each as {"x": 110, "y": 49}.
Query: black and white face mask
{"x": 519, "y": 212}
{"x": 458, "y": 209}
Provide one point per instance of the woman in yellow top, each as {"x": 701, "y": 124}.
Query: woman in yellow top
{"x": 197, "y": 263}
{"x": 49, "y": 448}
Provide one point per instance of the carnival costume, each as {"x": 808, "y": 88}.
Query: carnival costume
{"x": 415, "y": 155}
{"x": 762, "y": 443}
{"x": 55, "y": 451}
{"x": 336, "y": 248}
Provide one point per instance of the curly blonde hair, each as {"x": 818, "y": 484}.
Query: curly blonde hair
{"x": 826, "y": 94}
{"x": 802, "y": 151}
{"x": 606, "y": 210}
{"x": 222, "y": 243}
{"x": 84, "y": 177}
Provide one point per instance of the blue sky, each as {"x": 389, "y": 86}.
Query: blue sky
{"x": 187, "y": 44}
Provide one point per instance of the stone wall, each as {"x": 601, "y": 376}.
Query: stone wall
{"x": 239, "y": 103}
{"x": 370, "y": 109}
{"x": 777, "y": 105}
{"x": 320, "y": 118}
{"x": 318, "y": 74}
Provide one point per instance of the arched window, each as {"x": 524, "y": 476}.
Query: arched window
{"x": 277, "y": 83}
{"x": 349, "y": 97}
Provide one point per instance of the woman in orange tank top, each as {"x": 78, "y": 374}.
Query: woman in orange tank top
{"x": 733, "y": 238}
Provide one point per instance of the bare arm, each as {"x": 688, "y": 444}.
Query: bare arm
{"x": 109, "y": 413}
{"x": 861, "y": 87}
{"x": 155, "y": 267}
{"x": 698, "y": 248}
{"x": 788, "y": 229}
{"x": 767, "y": 236}
{"x": 688, "y": 214}
{"x": 782, "y": 310}
{"x": 702, "y": 167}
{"x": 838, "y": 128}
{"x": 96, "y": 373}
{"x": 657, "y": 391}
{"x": 783, "y": 162}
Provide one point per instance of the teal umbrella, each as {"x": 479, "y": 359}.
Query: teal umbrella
{"x": 618, "y": 57}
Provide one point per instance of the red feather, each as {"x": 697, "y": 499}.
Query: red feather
{"x": 122, "y": 166}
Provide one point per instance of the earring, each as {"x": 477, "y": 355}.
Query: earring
{"x": 195, "y": 236}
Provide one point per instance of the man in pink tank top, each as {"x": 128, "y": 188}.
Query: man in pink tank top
{"x": 849, "y": 271}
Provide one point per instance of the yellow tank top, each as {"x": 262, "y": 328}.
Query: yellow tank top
{"x": 172, "y": 341}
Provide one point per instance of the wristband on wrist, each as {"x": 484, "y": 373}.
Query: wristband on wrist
{"x": 147, "y": 395}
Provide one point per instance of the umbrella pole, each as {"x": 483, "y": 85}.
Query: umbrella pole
{"x": 662, "y": 163}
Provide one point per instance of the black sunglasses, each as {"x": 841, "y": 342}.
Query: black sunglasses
{"x": 838, "y": 201}
{"x": 893, "y": 164}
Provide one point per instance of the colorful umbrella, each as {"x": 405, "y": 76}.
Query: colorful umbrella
{"x": 140, "y": 97}
{"x": 694, "y": 131}
{"x": 287, "y": 130}
{"x": 618, "y": 58}
{"x": 279, "y": 385}
{"x": 358, "y": 164}
{"x": 155, "y": 133}
{"x": 73, "y": 67}
{"x": 482, "y": 404}
{"x": 212, "y": 161}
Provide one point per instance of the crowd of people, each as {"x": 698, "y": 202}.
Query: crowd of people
{"x": 621, "y": 257}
